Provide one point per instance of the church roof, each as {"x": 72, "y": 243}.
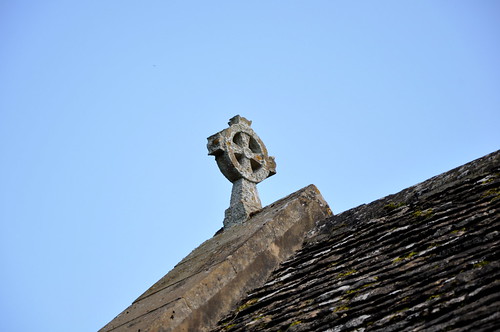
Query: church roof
{"x": 426, "y": 258}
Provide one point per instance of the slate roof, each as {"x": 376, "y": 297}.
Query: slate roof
{"x": 425, "y": 259}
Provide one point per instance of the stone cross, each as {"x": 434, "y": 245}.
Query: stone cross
{"x": 242, "y": 158}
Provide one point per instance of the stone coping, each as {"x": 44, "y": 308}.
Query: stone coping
{"x": 209, "y": 282}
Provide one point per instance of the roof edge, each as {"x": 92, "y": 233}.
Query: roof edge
{"x": 206, "y": 285}
{"x": 407, "y": 197}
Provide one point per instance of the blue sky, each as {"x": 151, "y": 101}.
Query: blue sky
{"x": 105, "y": 107}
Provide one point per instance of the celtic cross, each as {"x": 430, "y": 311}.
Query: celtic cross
{"x": 242, "y": 158}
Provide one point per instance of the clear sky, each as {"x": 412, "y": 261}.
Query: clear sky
{"x": 105, "y": 107}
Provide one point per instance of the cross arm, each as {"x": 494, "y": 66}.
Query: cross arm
{"x": 215, "y": 144}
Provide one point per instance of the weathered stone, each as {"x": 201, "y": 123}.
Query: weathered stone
{"x": 243, "y": 159}
{"x": 206, "y": 284}
{"x": 424, "y": 259}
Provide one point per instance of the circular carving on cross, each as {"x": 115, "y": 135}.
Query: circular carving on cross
{"x": 240, "y": 153}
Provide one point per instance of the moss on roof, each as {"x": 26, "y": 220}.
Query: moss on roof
{"x": 426, "y": 258}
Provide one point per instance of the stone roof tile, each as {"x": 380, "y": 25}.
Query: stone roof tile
{"x": 426, "y": 258}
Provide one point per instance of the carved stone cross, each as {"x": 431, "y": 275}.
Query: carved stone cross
{"x": 242, "y": 158}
